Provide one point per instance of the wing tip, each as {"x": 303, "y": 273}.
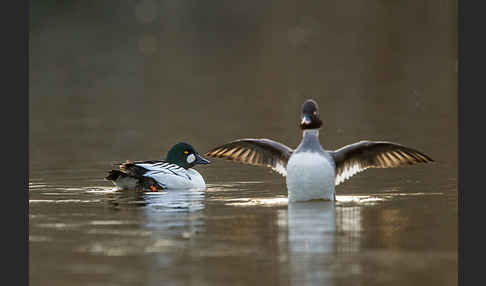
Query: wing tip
{"x": 425, "y": 158}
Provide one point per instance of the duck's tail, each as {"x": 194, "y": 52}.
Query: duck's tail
{"x": 125, "y": 181}
{"x": 114, "y": 175}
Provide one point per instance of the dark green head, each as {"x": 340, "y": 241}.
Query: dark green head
{"x": 185, "y": 156}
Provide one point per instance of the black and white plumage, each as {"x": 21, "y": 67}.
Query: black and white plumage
{"x": 154, "y": 175}
{"x": 312, "y": 172}
{"x": 151, "y": 167}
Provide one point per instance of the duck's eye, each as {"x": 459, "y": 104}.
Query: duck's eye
{"x": 186, "y": 152}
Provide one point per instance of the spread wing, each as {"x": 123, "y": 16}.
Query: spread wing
{"x": 149, "y": 168}
{"x": 258, "y": 152}
{"x": 357, "y": 157}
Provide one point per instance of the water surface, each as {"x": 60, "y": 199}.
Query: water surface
{"x": 84, "y": 233}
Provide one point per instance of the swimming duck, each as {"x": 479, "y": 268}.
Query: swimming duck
{"x": 312, "y": 172}
{"x": 175, "y": 172}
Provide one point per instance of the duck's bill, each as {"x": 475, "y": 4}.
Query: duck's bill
{"x": 201, "y": 160}
{"x": 306, "y": 120}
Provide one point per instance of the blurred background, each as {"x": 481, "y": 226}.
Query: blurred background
{"x": 117, "y": 80}
{"x": 150, "y": 73}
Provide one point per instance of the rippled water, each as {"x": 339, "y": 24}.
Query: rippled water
{"x": 115, "y": 82}
{"x": 240, "y": 233}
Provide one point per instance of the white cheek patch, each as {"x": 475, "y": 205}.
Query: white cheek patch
{"x": 191, "y": 158}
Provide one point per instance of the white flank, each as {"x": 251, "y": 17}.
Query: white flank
{"x": 186, "y": 179}
{"x": 310, "y": 176}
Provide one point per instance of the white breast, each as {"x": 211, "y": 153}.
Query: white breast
{"x": 310, "y": 176}
{"x": 197, "y": 179}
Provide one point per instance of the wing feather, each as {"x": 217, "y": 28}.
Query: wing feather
{"x": 357, "y": 157}
{"x": 257, "y": 152}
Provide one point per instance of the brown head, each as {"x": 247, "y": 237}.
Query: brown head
{"x": 310, "y": 115}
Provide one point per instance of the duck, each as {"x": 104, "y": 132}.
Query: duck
{"x": 175, "y": 172}
{"x": 310, "y": 171}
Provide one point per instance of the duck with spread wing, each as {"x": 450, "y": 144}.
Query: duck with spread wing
{"x": 312, "y": 172}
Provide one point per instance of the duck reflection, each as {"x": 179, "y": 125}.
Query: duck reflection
{"x": 309, "y": 239}
{"x": 317, "y": 233}
{"x": 171, "y": 201}
{"x": 151, "y": 230}
{"x": 167, "y": 217}
{"x": 312, "y": 227}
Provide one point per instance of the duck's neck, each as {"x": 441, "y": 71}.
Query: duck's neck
{"x": 310, "y": 141}
{"x": 310, "y": 133}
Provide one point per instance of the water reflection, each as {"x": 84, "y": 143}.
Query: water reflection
{"x": 176, "y": 200}
{"x": 312, "y": 227}
{"x": 349, "y": 225}
{"x": 317, "y": 235}
{"x": 167, "y": 201}
{"x": 311, "y": 240}
{"x": 126, "y": 223}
